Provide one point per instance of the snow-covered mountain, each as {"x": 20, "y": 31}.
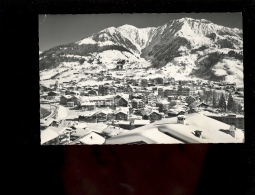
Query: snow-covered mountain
{"x": 193, "y": 47}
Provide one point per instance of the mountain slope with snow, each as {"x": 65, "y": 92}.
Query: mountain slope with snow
{"x": 188, "y": 46}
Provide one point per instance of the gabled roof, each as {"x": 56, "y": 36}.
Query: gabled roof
{"x": 153, "y": 111}
{"x": 163, "y": 102}
{"x": 81, "y": 126}
{"x": 74, "y": 92}
{"x": 58, "y": 130}
{"x": 121, "y": 122}
{"x": 87, "y": 113}
{"x": 137, "y": 100}
{"x": 80, "y": 132}
{"x": 66, "y": 96}
{"x": 103, "y": 112}
{"x": 121, "y": 111}
{"x": 47, "y": 135}
{"x": 88, "y": 104}
{"x": 75, "y": 96}
{"x": 97, "y": 127}
{"x": 92, "y": 139}
{"x": 141, "y": 122}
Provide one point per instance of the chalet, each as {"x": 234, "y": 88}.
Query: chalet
{"x": 173, "y": 113}
{"x": 92, "y": 92}
{"x": 75, "y": 99}
{"x": 88, "y": 116}
{"x": 62, "y": 91}
{"x": 190, "y": 99}
{"x": 76, "y": 93}
{"x": 137, "y": 103}
{"x": 152, "y": 116}
{"x": 84, "y": 93}
{"x": 53, "y": 93}
{"x": 197, "y": 104}
{"x": 103, "y": 90}
{"x": 137, "y": 96}
{"x": 134, "y": 117}
{"x": 88, "y": 105}
{"x": 101, "y": 116}
{"x": 64, "y": 99}
{"x": 170, "y": 98}
{"x": 71, "y": 88}
{"x": 121, "y": 102}
{"x": 162, "y": 105}
{"x": 123, "y": 124}
{"x": 112, "y": 90}
{"x": 121, "y": 115}
{"x": 63, "y": 135}
{"x": 70, "y": 104}
{"x": 111, "y": 131}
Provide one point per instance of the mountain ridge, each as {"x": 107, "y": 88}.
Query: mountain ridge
{"x": 162, "y": 46}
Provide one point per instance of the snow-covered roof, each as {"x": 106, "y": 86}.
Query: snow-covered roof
{"x": 80, "y": 132}
{"x": 122, "y": 109}
{"x": 97, "y": 127}
{"x": 81, "y": 126}
{"x": 87, "y": 113}
{"x": 153, "y": 132}
{"x": 123, "y": 122}
{"x": 92, "y": 139}
{"x": 66, "y": 96}
{"x": 141, "y": 122}
{"x": 88, "y": 104}
{"x": 47, "y": 135}
{"x": 58, "y": 130}
{"x": 150, "y": 136}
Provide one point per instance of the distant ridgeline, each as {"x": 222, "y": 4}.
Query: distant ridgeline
{"x": 199, "y": 47}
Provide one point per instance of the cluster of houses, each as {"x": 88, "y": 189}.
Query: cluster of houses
{"x": 122, "y": 104}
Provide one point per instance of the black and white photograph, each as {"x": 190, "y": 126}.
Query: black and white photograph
{"x": 113, "y": 79}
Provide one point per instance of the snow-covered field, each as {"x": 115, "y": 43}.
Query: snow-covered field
{"x": 232, "y": 68}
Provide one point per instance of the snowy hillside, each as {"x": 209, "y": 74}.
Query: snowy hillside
{"x": 188, "y": 47}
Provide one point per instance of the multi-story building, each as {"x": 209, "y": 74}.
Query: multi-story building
{"x": 170, "y": 92}
{"x": 230, "y": 119}
{"x": 185, "y": 91}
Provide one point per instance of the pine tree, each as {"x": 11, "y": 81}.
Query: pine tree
{"x": 231, "y": 106}
{"x": 222, "y": 103}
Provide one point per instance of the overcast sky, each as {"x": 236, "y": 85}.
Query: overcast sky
{"x": 55, "y": 30}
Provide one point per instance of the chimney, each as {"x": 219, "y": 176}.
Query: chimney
{"x": 232, "y": 130}
{"x": 181, "y": 119}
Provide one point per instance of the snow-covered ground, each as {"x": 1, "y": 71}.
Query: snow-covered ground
{"x": 232, "y": 68}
